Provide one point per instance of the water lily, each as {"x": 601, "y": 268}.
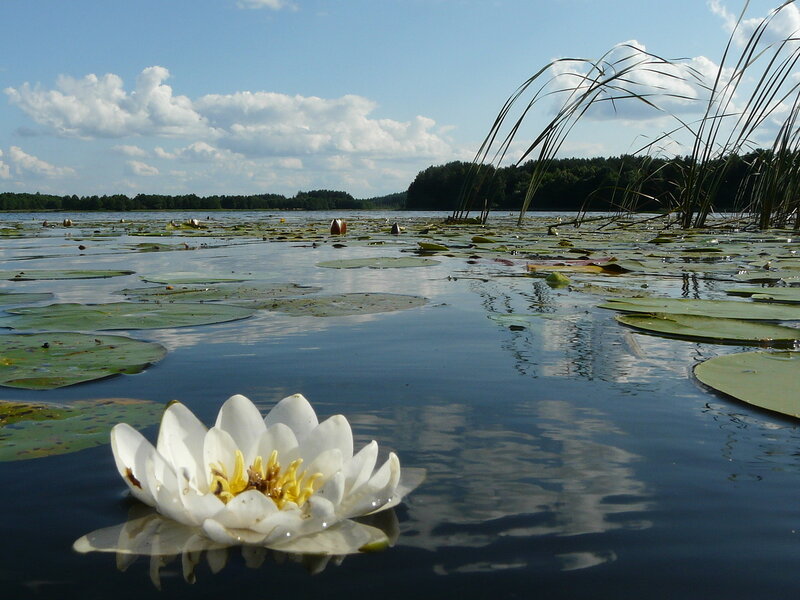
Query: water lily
{"x": 285, "y": 481}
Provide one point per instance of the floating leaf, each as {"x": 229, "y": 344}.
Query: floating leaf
{"x": 768, "y": 380}
{"x": 120, "y": 315}
{"x": 714, "y": 329}
{"x": 345, "y": 304}
{"x": 190, "y": 277}
{"x": 768, "y": 294}
{"x": 222, "y": 291}
{"x": 432, "y": 247}
{"x": 35, "y": 274}
{"x": 379, "y": 262}
{"x": 730, "y": 309}
{"x": 44, "y": 361}
{"x": 35, "y": 430}
{"x": 23, "y": 298}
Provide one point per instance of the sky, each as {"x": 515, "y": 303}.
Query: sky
{"x": 278, "y": 96}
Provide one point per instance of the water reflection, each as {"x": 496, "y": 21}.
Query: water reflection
{"x": 550, "y": 473}
{"x": 162, "y": 541}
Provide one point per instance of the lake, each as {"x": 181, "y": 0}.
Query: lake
{"x": 567, "y": 457}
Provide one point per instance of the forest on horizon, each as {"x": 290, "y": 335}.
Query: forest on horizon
{"x": 570, "y": 184}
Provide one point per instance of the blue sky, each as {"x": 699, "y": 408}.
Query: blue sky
{"x": 255, "y": 96}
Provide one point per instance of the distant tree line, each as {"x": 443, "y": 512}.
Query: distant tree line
{"x": 312, "y": 200}
{"x": 571, "y": 184}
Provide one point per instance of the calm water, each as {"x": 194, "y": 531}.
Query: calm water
{"x": 571, "y": 460}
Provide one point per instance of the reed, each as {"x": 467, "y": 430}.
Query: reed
{"x": 736, "y": 114}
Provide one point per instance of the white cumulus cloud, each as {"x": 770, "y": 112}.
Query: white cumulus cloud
{"x": 27, "y": 164}
{"x": 137, "y": 167}
{"x": 100, "y": 107}
{"x": 5, "y": 170}
{"x": 784, "y": 24}
{"x": 676, "y": 86}
{"x": 129, "y": 150}
{"x": 271, "y": 4}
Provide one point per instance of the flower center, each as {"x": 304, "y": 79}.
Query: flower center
{"x": 266, "y": 477}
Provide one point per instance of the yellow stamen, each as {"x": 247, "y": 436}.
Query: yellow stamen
{"x": 292, "y": 485}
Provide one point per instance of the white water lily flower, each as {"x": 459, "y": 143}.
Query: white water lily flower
{"x": 285, "y": 482}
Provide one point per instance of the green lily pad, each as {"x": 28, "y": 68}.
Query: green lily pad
{"x": 379, "y": 262}
{"x": 36, "y": 430}
{"x": 120, "y": 315}
{"x": 695, "y": 327}
{"x": 190, "y": 277}
{"x": 45, "y": 361}
{"x": 36, "y": 274}
{"x": 345, "y": 304}
{"x": 226, "y": 292}
{"x": 23, "y": 298}
{"x": 768, "y": 294}
{"x": 730, "y": 309}
{"x": 432, "y": 246}
{"x": 769, "y": 380}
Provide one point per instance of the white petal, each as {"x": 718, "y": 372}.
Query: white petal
{"x": 331, "y": 433}
{"x": 322, "y": 510}
{"x": 294, "y": 411}
{"x": 200, "y": 506}
{"x": 333, "y": 490}
{"x": 180, "y": 441}
{"x": 346, "y": 537}
{"x": 281, "y": 525}
{"x": 375, "y": 494}
{"x": 229, "y": 537}
{"x": 360, "y": 468}
{"x": 131, "y": 455}
{"x": 219, "y": 450}
{"x": 328, "y": 463}
{"x": 165, "y": 486}
{"x": 242, "y": 420}
{"x": 278, "y": 437}
{"x": 246, "y": 510}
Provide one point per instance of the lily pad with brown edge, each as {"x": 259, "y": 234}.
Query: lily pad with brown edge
{"x": 7, "y": 298}
{"x": 120, "y": 315}
{"x": 36, "y": 430}
{"x": 713, "y": 329}
{"x": 44, "y": 361}
{"x": 37, "y": 274}
{"x": 225, "y": 292}
{"x": 769, "y": 380}
{"x": 345, "y": 304}
{"x": 729, "y": 309}
{"x": 190, "y": 277}
{"x": 789, "y": 295}
{"x": 379, "y": 262}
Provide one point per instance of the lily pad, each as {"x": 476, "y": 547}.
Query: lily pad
{"x": 768, "y": 294}
{"x": 695, "y": 327}
{"x": 769, "y": 380}
{"x": 35, "y": 430}
{"x": 36, "y": 274}
{"x": 120, "y": 315}
{"x": 379, "y": 262}
{"x": 730, "y": 309}
{"x": 7, "y": 298}
{"x": 432, "y": 247}
{"x": 45, "y": 361}
{"x": 222, "y": 291}
{"x": 345, "y": 304}
{"x": 190, "y": 277}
